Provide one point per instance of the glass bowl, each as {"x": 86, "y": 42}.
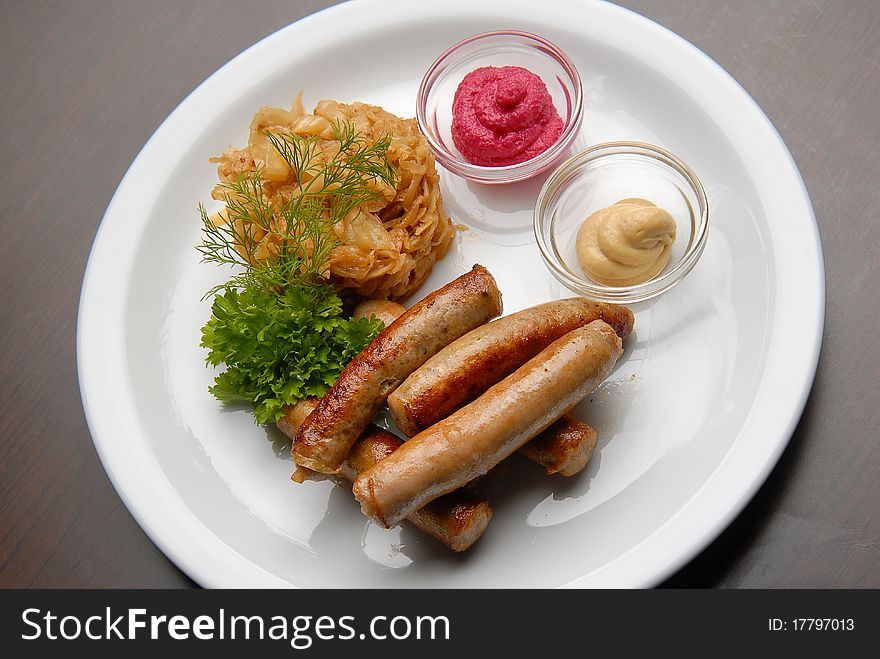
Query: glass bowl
{"x": 501, "y": 48}
{"x": 602, "y": 175}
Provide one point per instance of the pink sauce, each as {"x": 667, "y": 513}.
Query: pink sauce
{"x": 503, "y": 116}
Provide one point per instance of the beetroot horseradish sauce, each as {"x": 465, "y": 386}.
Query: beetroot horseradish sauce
{"x": 503, "y": 116}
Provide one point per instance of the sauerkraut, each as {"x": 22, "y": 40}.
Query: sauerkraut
{"x": 386, "y": 247}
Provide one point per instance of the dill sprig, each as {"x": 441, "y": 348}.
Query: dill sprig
{"x": 278, "y": 324}
{"x": 325, "y": 190}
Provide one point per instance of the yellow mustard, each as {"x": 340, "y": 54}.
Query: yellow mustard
{"x": 626, "y": 243}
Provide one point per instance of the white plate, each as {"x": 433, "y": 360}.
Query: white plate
{"x": 691, "y": 422}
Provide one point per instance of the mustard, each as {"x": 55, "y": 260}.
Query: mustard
{"x": 626, "y": 243}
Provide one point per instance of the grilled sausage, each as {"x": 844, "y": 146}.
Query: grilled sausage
{"x": 564, "y": 448}
{"x": 345, "y": 411}
{"x": 477, "y": 437}
{"x": 484, "y": 356}
{"x": 457, "y": 519}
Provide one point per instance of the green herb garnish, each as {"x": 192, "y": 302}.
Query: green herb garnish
{"x": 279, "y": 349}
{"x": 300, "y": 228}
{"x": 277, "y": 323}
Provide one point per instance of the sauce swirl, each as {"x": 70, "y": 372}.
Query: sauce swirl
{"x": 626, "y": 243}
{"x": 503, "y": 116}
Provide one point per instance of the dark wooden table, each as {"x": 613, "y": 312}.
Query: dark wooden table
{"x": 86, "y": 82}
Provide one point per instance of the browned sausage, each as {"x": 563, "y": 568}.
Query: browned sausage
{"x": 484, "y": 356}
{"x": 478, "y": 436}
{"x": 385, "y": 310}
{"x": 346, "y": 410}
{"x": 457, "y": 519}
{"x": 564, "y": 448}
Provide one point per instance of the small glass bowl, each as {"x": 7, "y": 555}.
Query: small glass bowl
{"x": 501, "y": 48}
{"x": 602, "y": 175}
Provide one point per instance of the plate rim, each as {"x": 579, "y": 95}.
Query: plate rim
{"x": 232, "y": 569}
